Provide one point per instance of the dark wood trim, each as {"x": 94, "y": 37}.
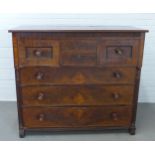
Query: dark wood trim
{"x": 74, "y": 130}
{"x": 19, "y": 102}
{"x": 15, "y": 50}
{"x": 17, "y": 78}
{"x": 141, "y": 49}
{"x": 132, "y": 128}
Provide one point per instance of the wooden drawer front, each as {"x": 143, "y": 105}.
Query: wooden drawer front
{"x": 76, "y": 116}
{"x": 38, "y": 52}
{"x": 79, "y": 53}
{"x": 47, "y": 75}
{"x": 77, "y": 95}
{"x": 119, "y": 52}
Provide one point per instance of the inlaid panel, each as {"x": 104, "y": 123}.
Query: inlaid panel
{"x": 79, "y": 52}
{"x": 38, "y": 52}
{"x": 119, "y": 52}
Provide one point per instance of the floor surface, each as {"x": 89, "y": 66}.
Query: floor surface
{"x": 145, "y": 125}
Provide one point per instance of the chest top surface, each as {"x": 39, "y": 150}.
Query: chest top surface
{"x": 77, "y": 29}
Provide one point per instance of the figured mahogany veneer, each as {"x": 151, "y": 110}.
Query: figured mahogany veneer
{"x": 77, "y": 78}
{"x": 70, "y": 76}
{"x": 77, "y": 95}
{"x": 67, "y": 117}
{"x": 33, "y": 52}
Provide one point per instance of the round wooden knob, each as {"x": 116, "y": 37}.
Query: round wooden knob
{"x": 79, "y": 56}
{"x": 114, "y": 116}
{"x": 117, "y": 75}
{"x": 38, "y": 53}
{"x": 40, "y": 96}
{"x": 41, "y": 117}
{"x": 39, "y": 76}
{"x": 118, "y": 51}
{"x": 116, "y": 96}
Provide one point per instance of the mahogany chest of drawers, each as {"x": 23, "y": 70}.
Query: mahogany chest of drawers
{"x": 77, "y": 78}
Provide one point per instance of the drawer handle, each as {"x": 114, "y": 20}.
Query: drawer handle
{"x": 41, "y": 117}
{"x": 38, "y": 53}
{"x": 82, "y": 57}
{"x": 117, "y": 75}
{"x": 114, "y": 116}
{"x": 40, "y": 96}
{"x": 78, "y": 57}
{"x": 39, "y": 76}
{"x": 118, "y": 51}
{"x": 116, "y": 96}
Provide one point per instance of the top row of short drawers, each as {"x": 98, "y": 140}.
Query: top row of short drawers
{"x": 78, "y": 52}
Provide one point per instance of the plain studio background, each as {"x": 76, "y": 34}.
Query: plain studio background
{"x": 7, "y": 84}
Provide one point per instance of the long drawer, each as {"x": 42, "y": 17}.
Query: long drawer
{"x": 106, "y": 75}
{"x": 78, "y": 95}
{"x": 34, "y": 117}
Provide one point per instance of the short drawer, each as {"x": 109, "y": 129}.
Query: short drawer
{"x": 79, "y": 52}
{"x": 38, "y": 52}
{"x": 77, "y": 95}
{"x": 34, "y": 117}
{"x": 116, "y": 52}
{"x": 69, "y": 76}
